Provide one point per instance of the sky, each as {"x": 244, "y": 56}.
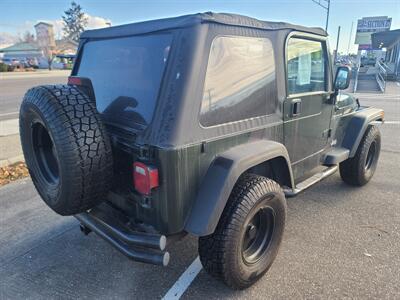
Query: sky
{"x": 20, "y": 15}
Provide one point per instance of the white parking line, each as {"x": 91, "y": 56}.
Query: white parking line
{"x": 181, "y": 285}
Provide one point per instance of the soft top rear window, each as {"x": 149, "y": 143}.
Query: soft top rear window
{"x": 126, "y": 75}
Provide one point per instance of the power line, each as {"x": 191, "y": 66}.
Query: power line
{"x": 325, "y": 4}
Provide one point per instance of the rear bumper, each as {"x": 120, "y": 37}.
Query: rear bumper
{"x": 110, "y": 225}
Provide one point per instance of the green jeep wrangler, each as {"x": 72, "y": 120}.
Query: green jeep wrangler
{"x": 198, "y": 124}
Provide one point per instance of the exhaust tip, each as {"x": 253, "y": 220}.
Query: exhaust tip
{"x": 163, "y": 242}
{"x": 165, "y": 259}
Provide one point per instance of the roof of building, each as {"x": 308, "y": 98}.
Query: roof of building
{"x": 192, "y": 20}
{"x": 45, "y": 23}
{"x": 67, "y": 42}
{"x": 20, "y": 47}
{"x": 384, "y": 39}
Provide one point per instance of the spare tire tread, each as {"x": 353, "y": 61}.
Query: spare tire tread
{"x": 83, "y": 144}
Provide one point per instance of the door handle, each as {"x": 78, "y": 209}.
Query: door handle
{"x": 296, "y": 107}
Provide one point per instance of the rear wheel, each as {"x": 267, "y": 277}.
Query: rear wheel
{"x": 66, "y": 148}
{"x": 359, "y": 169}
{"x": 248, "y": 235}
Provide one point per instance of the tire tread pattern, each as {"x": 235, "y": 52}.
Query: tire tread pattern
{"x": 83, "y": 145}
{"x": 214, "y": 248}
{"x": 352, "y": 170}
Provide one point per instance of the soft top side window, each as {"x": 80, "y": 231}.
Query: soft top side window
{"x": 240, "y": 80}
{"x": 306, "y": 66}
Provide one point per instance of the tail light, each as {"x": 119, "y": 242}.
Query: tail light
{"x": 84, "y": 84}
{"x": 145, "y": 177}
{"x": 73, "y": 80}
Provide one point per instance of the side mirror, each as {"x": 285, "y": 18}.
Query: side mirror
{"x": 342, "y": 78}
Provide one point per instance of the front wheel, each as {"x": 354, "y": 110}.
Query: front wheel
{"x": 248, "y": 235}
{"x": 359, "y": 169}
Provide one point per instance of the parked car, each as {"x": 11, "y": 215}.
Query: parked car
{"x": 201, "y": 124}
{"x": 56, "y": 64}
{"x": 10, "y": 61}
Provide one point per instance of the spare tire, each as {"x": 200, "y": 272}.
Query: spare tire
{"x": 66, "y": 148}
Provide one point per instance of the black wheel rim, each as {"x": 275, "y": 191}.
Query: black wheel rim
{"x": 258, "y": 235}
{"x": 369, "y": 162}
{"x": 45, "y": 153}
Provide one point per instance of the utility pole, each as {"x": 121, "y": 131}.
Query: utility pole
{"x": 325, "y": 4}
{"x": 327, "y": 15}
{"x": 351, "y": 33}
{"x": 337, "y": 44}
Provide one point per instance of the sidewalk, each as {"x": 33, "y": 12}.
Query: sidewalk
{"x": 10, "y": 150}
{"x": 392, "y": 88}
{"x": 9, "y": 127}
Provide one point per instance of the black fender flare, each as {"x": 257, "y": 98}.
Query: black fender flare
{"x": 358, "y": 125}
{"x": 221, "y": 177}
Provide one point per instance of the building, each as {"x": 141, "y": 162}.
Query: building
{"x": 66, "y": 46}
{"x": 391, "y": 41}
{"x": 22, "y": 51}
{"x": 45, "y": 35}
{"x": 44, "y": 47}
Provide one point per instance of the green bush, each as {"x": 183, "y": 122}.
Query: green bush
{"x": 3, "y": 67}
{"x": 6, "y": 68}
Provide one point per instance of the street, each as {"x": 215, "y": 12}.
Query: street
{"x": 14, "y": 86}
{"x": 340, "y": 241}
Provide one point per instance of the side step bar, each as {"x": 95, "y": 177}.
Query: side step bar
{"x": 310, "y": 181}
{"x": 138, "y": 246}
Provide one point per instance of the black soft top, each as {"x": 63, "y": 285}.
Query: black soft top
{"x": 192, "y": 20}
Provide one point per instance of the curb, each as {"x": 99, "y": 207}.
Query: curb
{"x": 35, "y": 74}
{"x": 12, "y": 160}
{"x": 9, "y": 127}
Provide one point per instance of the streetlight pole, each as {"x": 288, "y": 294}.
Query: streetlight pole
{"x": 337, "y": 45}
{"x": 325, "y": 4}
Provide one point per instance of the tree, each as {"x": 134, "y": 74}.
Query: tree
{"x": 75, "y": 21}
{"x": 27, "y": 37}
{"x": 51, "y": 52}
{"x": 50, "y": 55}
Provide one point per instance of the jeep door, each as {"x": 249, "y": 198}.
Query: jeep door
{"x": 307, "y": 107}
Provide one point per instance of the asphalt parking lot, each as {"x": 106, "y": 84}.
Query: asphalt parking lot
{"x": 340, "y": 242}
